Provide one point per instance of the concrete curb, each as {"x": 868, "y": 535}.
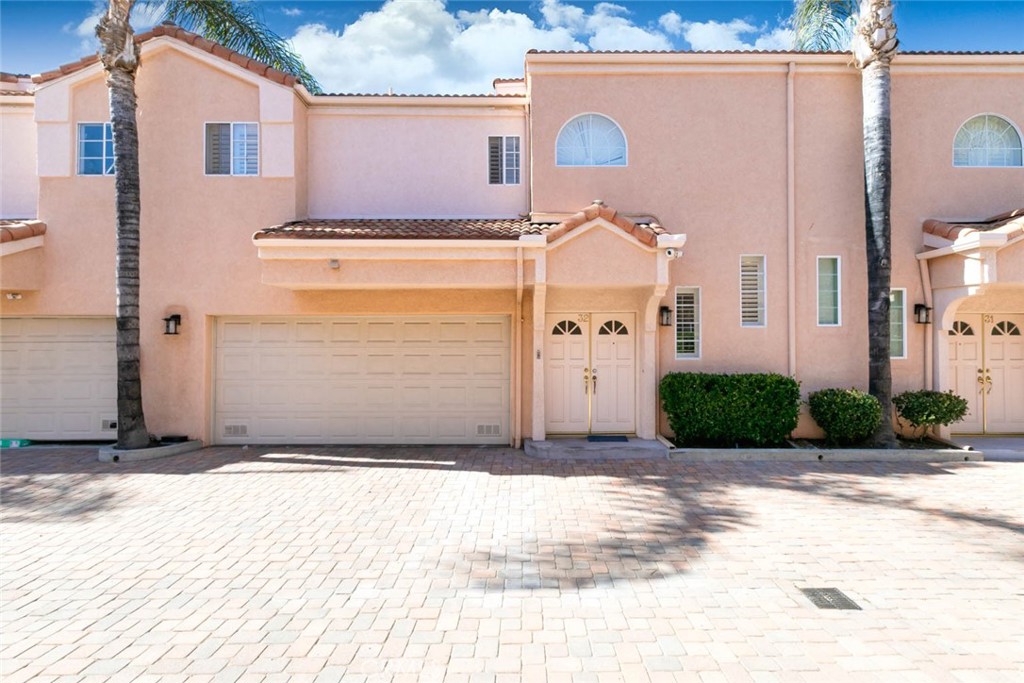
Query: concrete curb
{"x": 111, "y": 454}
{"x": 823, "y": 454}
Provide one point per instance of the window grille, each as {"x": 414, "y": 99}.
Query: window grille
{"x": 95, "y": 149}
{"x": 232, "y": 149}
{"x": 897, "y": 323}
{"x": 503, "y": 160}
{"x": 829, "y": 283}
{"x": 590, "y": 140}
{"x": 987, "y": 140}
{"x": 752, "y": 291}
{"x": 688, "y": 322}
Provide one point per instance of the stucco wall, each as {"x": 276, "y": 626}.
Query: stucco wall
{"x": 382, "y": 162}
{"x": 19, "y": 184}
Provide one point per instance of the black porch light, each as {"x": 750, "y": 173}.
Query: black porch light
{"x": 172, "y": 323}
{"x": 922, "y": 314}
{"x": 665, "y": 316}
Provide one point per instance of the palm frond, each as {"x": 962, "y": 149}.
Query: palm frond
{"x": 823, "y": 25}
{"x": 238, "y": 26}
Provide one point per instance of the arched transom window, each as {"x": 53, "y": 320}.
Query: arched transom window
{"x": 987, "y": 140}
{"x": 590, "y": 140}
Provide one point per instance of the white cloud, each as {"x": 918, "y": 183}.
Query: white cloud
{"x": 567, "y": 16}
{"x": 671, "y": 23}
{"x": 422, "y": 47}
{"x": 291, "y": 11}
{"x": 714, "y": 35}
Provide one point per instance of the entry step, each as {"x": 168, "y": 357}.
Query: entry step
{"x": 581, "y": 449}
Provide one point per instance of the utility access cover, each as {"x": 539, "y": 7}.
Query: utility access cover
{"x": 829, "y": 598}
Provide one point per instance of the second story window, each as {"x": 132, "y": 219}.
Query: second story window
{"x": 590, "y": 140}
{"x": 503, "y": 159}
{"x": 95, "y": 149}
{"x": 232, "y": 149}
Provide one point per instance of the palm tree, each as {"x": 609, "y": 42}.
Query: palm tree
{"x": 237, "y": 27}
{"x": 827, "y": 24}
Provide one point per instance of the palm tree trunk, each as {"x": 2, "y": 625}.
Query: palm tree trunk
{"x": 877, "y": 195}
{"x": 120, "y": 58}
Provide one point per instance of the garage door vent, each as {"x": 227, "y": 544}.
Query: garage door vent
{"x": 108, "y": 424}
{"x": 488, "y": 430}
{"x": 236, "y": 430}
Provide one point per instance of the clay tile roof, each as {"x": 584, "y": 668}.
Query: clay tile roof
{"x": 14, "y": 229}
{"x": 172, "y": 31}
{"x": 455, "y": 228}
{"x": 1011, "y": 223}
{"x": 402, "y": 229}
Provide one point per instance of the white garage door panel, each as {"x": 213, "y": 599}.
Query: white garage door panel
{"x": 363, "y": 380}
{"x": 59, "y": 378}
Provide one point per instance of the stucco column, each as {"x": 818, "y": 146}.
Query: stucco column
{"x": 537, "y": 359}
{"x": 647, "y": 419}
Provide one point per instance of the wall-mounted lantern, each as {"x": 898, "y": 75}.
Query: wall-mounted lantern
{"x": 922, "y": 314}
{"x": 172, "y": 323}
{"x": 665, "y": 316}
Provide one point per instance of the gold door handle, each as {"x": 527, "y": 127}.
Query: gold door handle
{"x": 586, "y": 380}
{"x": 988, "y": 381}
{"x": 593, "y": 380}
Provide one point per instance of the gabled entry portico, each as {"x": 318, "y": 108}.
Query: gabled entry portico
{"x": 597, "y": 290}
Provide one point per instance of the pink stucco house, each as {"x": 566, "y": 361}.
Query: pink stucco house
{"x": 518, "y": 265}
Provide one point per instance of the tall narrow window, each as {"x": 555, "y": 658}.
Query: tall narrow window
{"x": 232, "y": 149}
{"x": 688, "y": 322}
{"x": 503, "y": 160}
{"x": 752, "y": 291}
{"x": 897, "y": 323}
{"x": 95, "y": 149}
{"x": 829, "y": 295}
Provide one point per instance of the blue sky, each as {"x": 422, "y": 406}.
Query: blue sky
{"x": 458, "y": 47}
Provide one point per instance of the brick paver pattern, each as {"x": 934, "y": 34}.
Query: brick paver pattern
{"x": 480, "y": 564}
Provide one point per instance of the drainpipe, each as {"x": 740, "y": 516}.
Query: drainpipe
{"x": 791, "y": 218}
{"x": 517, "y": 325}
{"x": 929, "y": 331}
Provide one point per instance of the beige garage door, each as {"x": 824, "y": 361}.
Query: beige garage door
{"x": 58, "y": 378}
{"x": 363, "y": 380}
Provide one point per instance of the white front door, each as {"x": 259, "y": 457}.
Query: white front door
{"x": 967, "y": 373}
{"x": 986, "y": 355}
{"x": 1004, "y": 367}
{"x": 590, "y": 373}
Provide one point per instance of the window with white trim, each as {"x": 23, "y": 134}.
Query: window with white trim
{"x": 987, "y": 140}
{"x": 95, "y": 149}
{"x": 897, "y": 323}
{"x": 232, "y": 149}
{"x": 590, "y": 140}
{"x": 829, "y": 291}
{"x": 752, "y": 291}
{"x": 687, "y": 322}
{"x": 503, "y": 159}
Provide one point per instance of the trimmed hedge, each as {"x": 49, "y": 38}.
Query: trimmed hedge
{"x": 924, "y": 409}
{"x": 848, "y": 416}
{"x": 706, "y": 409}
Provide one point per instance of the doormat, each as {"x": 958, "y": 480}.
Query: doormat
{"x": 604, "y": 438}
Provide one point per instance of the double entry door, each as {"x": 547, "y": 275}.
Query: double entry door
{"x": 986, "y": 356}
{"x": 590, "y": 373}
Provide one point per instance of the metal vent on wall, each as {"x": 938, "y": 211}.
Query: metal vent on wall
{"x": 488, "y": 430}
{"x": 236, "y": 430}
{"x": 108, "y": 424}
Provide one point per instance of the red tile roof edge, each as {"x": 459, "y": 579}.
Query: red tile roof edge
{"x": 645, "y": 233}
{"x": 953, "y": 230}
{"x": 12, "y": 230}
{"x": 193, "y": 39}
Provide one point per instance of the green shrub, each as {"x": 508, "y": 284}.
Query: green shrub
{"x": 924, "y": 409}
{"x": 847, "y": 415}
{"x": 707, "y": 409}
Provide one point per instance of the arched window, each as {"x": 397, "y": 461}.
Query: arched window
{"x": 590, "y": 140}
{"x": 987, "y": 140}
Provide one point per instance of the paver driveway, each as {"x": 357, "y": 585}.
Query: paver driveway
{"x": 465, "y": 564}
